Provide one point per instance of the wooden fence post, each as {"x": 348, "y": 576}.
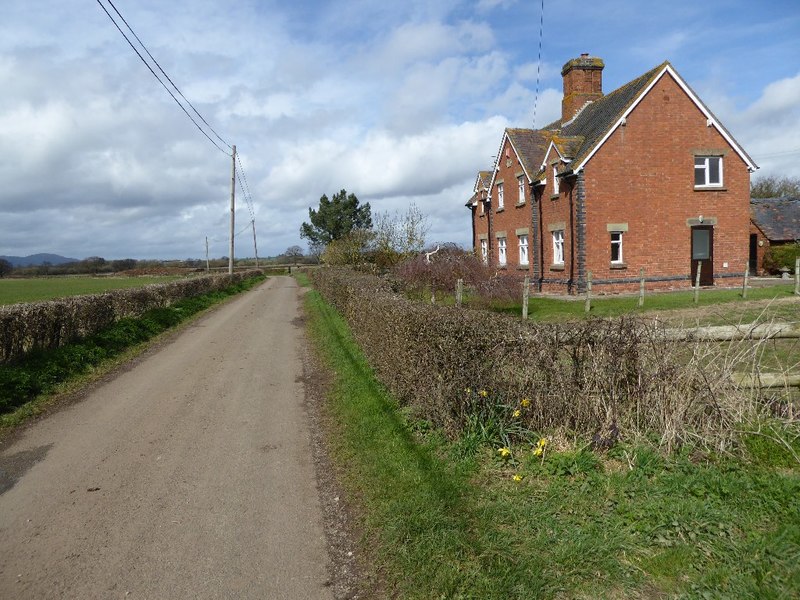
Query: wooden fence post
{"x": 697, "y": 282}
{"x": 797, "y": 277}
{"x": 526, "y": 292}
{"x": 746, "y": 279}
{"x": 459, "y": 292}
{"x": 588, "y": 306}
{"x": 641, "y": 287}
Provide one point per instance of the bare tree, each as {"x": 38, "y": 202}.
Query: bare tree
{"x": 772, "y": 186}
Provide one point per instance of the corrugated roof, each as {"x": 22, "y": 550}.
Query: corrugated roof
{"x": 778, "y": 218}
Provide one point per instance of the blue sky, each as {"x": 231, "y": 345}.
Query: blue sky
{"x": 396, "y": 102}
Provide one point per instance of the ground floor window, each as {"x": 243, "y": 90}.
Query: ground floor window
{"x": 558, "y": 247}
{"x": 616, "y": 247}
{"x": 501, "y": 251}
{"x": 485, "y": 251}
{"x": 523, "y": 249}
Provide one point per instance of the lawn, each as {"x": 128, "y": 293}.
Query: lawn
{"x": 13, "y": 291}
{"x": 730, "y": 305}
{"x": 460, "y": 519}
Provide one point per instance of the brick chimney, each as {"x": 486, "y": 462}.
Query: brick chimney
{"x": 583, "y": 82}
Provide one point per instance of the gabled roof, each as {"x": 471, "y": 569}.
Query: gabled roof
{"x": 529, "y": 145}
{"x": 481, "y": 184}
{"x": 596, "y": 121}
{"x": 778, "y": 218}
{"x": 482, "y": 181}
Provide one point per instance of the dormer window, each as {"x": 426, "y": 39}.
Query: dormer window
{"x": 707, "y": 171}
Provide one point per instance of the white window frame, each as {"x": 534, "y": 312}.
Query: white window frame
{"x": 523, "y": 249}
{"x": 485, "y": 251}
{"x": 521, "y": 180}
{"x": 617, "y": 242}
{"x": 500, "y": 201}
{"x": 502, "y": 256}
{"x": 558, "y": 247}
{"x": 702, "y": 165}
{"x": 555, "y": 179}
{"x": 483, "y": 206}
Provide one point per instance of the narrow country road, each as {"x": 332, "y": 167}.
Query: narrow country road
{"x": 188, "y": 476}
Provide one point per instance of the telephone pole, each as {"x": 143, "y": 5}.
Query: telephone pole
{"x": 208, "y": 267}
{"x": 233, "y": 209}
{"x": 255, "y": 246}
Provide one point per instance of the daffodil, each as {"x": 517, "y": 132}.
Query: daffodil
{"x": 504, "y": 452}
{"x": 538, "y": 451}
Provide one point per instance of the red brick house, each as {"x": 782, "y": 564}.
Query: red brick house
{"x": 773, "y": 222}
{"x": 645, "y": 177}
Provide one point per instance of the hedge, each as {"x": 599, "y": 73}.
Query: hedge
{"x": 54, "y": 323}
{"x": 600, "y": 378}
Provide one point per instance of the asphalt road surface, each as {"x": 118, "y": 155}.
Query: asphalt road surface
{"x": 189, "y": 475}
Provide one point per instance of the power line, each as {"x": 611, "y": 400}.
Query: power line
{"x": 183, "y": 108}
{"x": 165, "y": 73}
{"x": 538, "y": 63}
{"x": 785, "y": 152}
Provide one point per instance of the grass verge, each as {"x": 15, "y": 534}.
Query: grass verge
{"x": 27, "y": 384}
{"x": 458, "y": 519}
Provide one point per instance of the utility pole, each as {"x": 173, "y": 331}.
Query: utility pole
{"x": 255, "y": 246}
{"x": 233, "y": 209}
{"x": 208, "y": 267}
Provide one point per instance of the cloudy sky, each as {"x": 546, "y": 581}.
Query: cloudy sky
{"x": 398, "y": 102}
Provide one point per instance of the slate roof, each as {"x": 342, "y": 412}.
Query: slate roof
{"x": 778, "y": 218}
{"x": 595, "y": 119}
{"x": 530, "y": 145}
{"x": 481, "y": 183}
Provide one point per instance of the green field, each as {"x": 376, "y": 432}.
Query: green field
{"x": 13, "y": 291}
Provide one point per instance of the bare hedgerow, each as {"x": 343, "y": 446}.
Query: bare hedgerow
{"x": 43, "y": 325}
{"x": 599, "y": 378}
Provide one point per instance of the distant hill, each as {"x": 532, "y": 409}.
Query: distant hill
{"x": 34, "y": 260}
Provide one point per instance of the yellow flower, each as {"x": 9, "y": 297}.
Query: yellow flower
{"x": 483, "y": 393}
{"x": 542, "y": 443}
{"x": 517, "y": 477}
{"x": 467, "y": 391}
{"x": 525, "y": 403}
{"x": 504, "y": 452}
{"x": 538, "y": 451}
{"x": 517, "y": 413}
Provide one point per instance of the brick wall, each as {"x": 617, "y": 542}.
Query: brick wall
{"x": 642, "y": 181}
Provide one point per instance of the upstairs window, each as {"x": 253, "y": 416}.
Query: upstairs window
{"x": 499, "y": 196}
{"x": 485, "y": 251}
{"x": 555, "y": 179}
{"x": 521, "y": 182}
{"x": 707, "y": 171}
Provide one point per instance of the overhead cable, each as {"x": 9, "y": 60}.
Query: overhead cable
{"x": 538, "y": 63}
{"x": 183, "y": 108}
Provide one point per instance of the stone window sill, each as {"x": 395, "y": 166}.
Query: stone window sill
{"x": 501, "y": 209}
{"x": 618, "y": 266}
{"x": 710, "y": 188}
{"x": 523, "y": 267}
{"x": 555, "y": 196}
{"x": 557, "y": 267}
{"x": 518, "y": 204}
